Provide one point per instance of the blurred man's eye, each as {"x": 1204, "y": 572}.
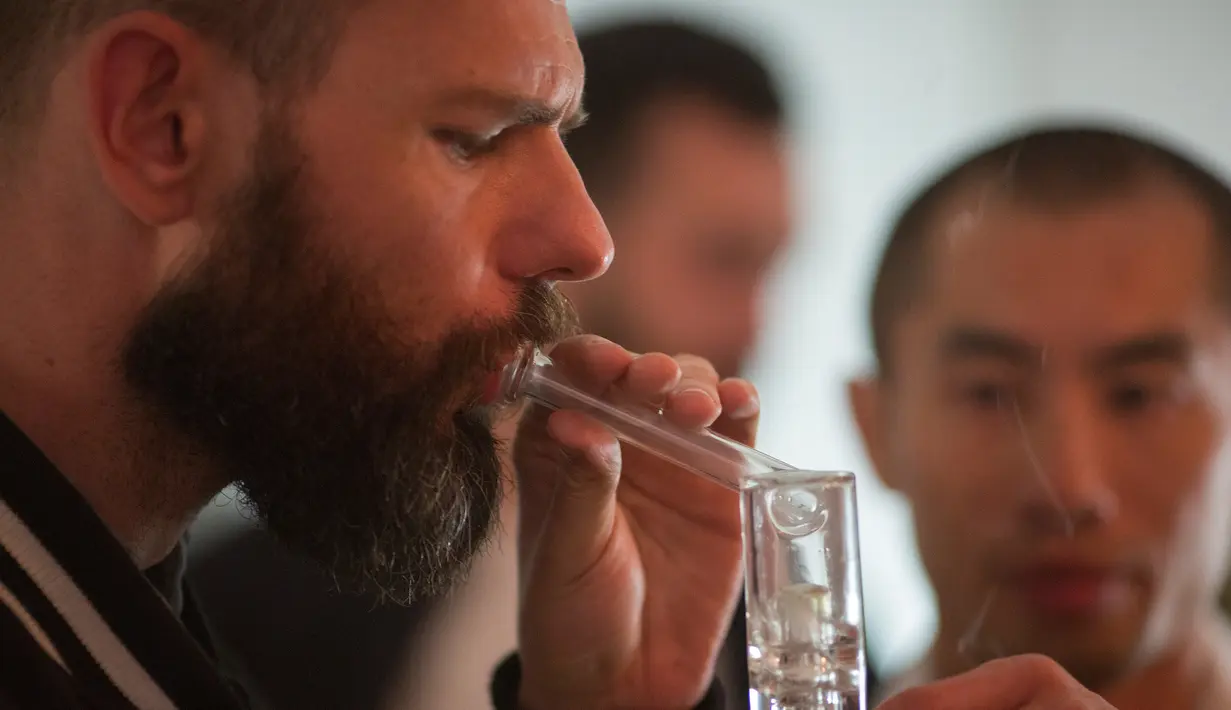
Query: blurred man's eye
{"x": 725, "y": 261}
{"x": 1135, "y": 397}
{"x": 990, "y": 396}
{"x": 985, "y": 389}
{"x": 729, "y": 254}
{"x": 1148, "y": 388}
{"x": 1127, "y": 399}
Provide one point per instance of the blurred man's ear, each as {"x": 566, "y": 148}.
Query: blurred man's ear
{"x": 867, "y": 402}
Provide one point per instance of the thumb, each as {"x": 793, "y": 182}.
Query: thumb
{"x": 581, "y": 518}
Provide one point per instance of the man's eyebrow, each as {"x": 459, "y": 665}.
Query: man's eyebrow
{"x": 968, "y": 342}
{"x": 1159, "y": 347}
{"x": 519, "y": 110}
{"x": 1162, "y": 346}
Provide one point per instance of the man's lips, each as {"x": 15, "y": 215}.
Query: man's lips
{"x": 1072, "y": 589}
{"x": 493, "y": 389}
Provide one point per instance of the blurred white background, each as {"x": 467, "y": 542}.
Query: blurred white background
{"x": 884, "y": 92}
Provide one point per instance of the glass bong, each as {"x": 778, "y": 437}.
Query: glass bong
{"x": 801, "y": 547}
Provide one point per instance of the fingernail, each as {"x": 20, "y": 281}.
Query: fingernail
{"x": 695, "y": 391}
{"x": 746, "y": 410}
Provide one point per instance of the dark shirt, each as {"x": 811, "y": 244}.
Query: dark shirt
{"x": 81, "y": 628}
{"x": 289, "y": 636}
{"x": 295, "y": 642}
{"x": 68, "y": 588}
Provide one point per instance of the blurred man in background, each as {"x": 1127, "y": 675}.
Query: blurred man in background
{"x": 685, "y": 156}
{"x": 1053, "y": 397}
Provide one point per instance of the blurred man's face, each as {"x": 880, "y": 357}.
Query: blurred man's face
{"x": 391, "y": 245}
{"x": 1057, "y": 416}
{"x": 703, "y": 215}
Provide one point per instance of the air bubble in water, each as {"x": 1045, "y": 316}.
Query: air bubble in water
{"x": 796, "y": 512}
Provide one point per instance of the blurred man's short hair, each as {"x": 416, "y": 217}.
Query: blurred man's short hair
{"x": 1054, "y": 168}
{"x": 632, "y": 66}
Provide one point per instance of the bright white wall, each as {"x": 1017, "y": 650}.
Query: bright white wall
{"x": 1163, "y": 62}
{"x": 885, "y": 91}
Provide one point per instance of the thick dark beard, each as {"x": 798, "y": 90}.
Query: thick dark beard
{"x": 355, "y": 447}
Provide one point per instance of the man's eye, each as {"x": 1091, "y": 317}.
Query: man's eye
{"x": 466, "y": 147}
{"x": 728, "y": 256}
{"x": 1143, "y": 394}
{"x": 1130, "y": 398}
{"x": 988, "y": 395}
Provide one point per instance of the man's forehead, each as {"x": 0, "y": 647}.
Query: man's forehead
{"x": 492, "y": 26}
{"x": 1118, "y": 266}
{"x": 979, "y": 231}
{"x": 466, "y": 37}
{"x": 507, "y": 46}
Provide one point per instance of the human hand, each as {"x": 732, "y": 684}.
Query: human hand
{"x": 1016, "y": 683}
{"x": 630, "y": 566}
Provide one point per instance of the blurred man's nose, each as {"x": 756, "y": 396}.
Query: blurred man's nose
{"x": 556, "y": 233}
{"x": 1069, "y": 487}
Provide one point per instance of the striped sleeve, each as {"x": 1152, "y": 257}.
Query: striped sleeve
{"x": 29, "y": 678}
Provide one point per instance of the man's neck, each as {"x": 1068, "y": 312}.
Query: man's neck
{"x": 147, "y": 499}
{"x": 69, "y": 304}
{"x": 1194, "y": 675}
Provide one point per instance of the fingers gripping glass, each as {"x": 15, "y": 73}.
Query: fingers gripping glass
{"x": 801, "y": 547}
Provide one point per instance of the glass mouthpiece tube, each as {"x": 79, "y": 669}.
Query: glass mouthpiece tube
{"x": 714, "y": 456}
{"x": 801, "y": 546}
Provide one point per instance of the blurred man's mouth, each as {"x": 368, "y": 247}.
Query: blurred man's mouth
{"x": 1072, "y": 589}
{"x": 493, "y": 388}
{"x": 493, "y": 383}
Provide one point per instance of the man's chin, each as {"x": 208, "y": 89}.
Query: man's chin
{"x": 397, "y": 585}
{"x": 1095, "y": 663}
{"x": 405, "y": 589}
{"x": 392, "y": 552}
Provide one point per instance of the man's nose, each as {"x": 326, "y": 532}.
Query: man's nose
{"x": 1070, "y": 487}
{"x": 556, "y": 232}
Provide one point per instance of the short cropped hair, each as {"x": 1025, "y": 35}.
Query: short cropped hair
{"x": 1049, "y": 168}
{"x": 633, "y": 65}
{"x": 282, "y": 41}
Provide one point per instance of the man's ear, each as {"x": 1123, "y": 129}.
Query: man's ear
{"x": 866, "y": 397}
{"x": 145, "y": 76}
